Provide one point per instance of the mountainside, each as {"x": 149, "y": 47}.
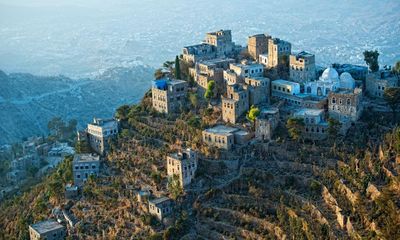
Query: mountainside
{"x": 344, "y": 188}
{"x": 28, "y": 102}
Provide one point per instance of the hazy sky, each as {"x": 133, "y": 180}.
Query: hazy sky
{"x": 81, "y": 38}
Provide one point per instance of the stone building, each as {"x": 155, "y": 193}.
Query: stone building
{"x": 183, "y": 165}
{"x": 83, "y": 166}
{"x": 160, "y": 207}
{"x": 257, "y": 44}
{"x": 246, "y": 69}
{"x": 168, "y": 95}
{"x": 71, "y": 191}
{"x": 224, "y": 137}
{"x": 357, "y": 72}
{"x": 230, "y": 77}
{"x": 302, "y": 67}
{"x": 198, "y": 52}
{"x": 99, "y": 132}
{"x": 205, "y": 71}
{"x": 235, "y": 103}
{"x": 222, "y": 41}
{"x": 329, "y": 81}
{"x": 259, "y": 90}
{"x": 315, "y": 126}
{"x": 266, "y": 123}
{"x": 376, "y": 83}
{"x": 280, "y": 87}
{"x": 278, "y": 50}
{"x": 345, "y": 105}
{"x": 49, "y": 230}
{"x": 263, "y": 59}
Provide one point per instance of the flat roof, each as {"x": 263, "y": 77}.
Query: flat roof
{"x": 46, "y": 226}
{"x": 309, "y": 111}
{"x": 303, "y": 54}
{"x": 248, "y": 65}
{"x": 87, "y": 157}
{"x": 157, "y": 201}
{"x": 221, "y": 129}
{"x": 286, "y": 82}
{"x": 269, "y": 110}
{"x": 106, "y": 123}
{"x": 216, "y": 60}
{"x": 175, "y": 81}
{"x": 241, "y": 132}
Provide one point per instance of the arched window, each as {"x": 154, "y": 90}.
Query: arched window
{"x": 348, "y": 101}
{"x": 308, "y": 89}
{"x": 319, "y": 91}
{"x": 333, "y": 100}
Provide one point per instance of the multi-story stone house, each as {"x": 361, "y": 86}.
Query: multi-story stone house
{"x": 257, "y": 44}
{"x": 263, "y": 59}
{"x": 224, "y": 137}
{"x": 222, "y": 41}
{"x": 205, "y": 71}
{"x": 345, "y": 105}
{"x": 376, "y": 83}
{"x": 302, "y": 67}
{"x": 315, "y": 126}
{"x": 246, "y": 70}
{"x": 99, "y": 132}
{"x": 168, "y": 96}
{"x": 289, "y": 92}
{"x": 278, "y": 50}
{"x": 199, "y": 52}
{"x": 266, "y": 123}
{"x": 230, "y": 77}
{"x": 49, "y": 230}
{"x": 259, "y": 90}
{"x": 184, "y": 165}
{"x": 83, "y": 166}
{"x": 235, "y": 103}
{"x": 160, "y": 207}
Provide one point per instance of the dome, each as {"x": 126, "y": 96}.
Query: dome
{"x": 347, "y": 81}
{"x": 330, "y": 74}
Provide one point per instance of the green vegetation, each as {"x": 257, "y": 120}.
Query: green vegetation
{"x": 295, "y": 127}
{"x": 396, "y": 70}
{"x": 174, "y": 187}
{"x": 333, "y": 128}
{"x": 177, "y": 68}
{"x": 210, "y": 90}
{"x": 371, "y": 59}
{"x": 392, "y": 97}
{"x": 60, "y": 131}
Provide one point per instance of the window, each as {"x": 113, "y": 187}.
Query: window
{"x": 333, "y": 100}
{"x": 348, "y": 101}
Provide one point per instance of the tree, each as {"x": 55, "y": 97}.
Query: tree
{"x": 333, "y": 127}
{"x": 396, "y": 70}
{"x": 371, "y": 59}
{"x": 252, "y": 115}
{"x": 193, "y": 100}
{"x": 177, "y": 68}
{"x": 210, "y": 90}
{"x": 56, "y": 126}
{"x": 158, "y": 74}
{"x": 175, "y": 187}
{"x": 295, "y": 127}
{"x": 122, "y": 112}
{"x": 392, "y": 97}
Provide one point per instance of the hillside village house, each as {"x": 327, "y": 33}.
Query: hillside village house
{"x": 235, "y": 104}
{"x": 376, "y": 83}
{"x": 224, "y": 137}
{"x": 182, "y": 164}
{"x": 278, "y": 51}
{"x": 315, "y": 125}
{"x": 168, "y": 95}
{"x": 302, "y": 67}
{"x": 49, "y": 230}
{"x": 99, "y": 132}
{"x": 160, "y": 207}
{"x": 83, "y": 166}
{"x": 266, "y": 123}
{"x": 259, "y": 90}
{"x": 257, "y": 45}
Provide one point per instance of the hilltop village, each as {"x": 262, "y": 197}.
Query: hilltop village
{"x": 218, "y": 119}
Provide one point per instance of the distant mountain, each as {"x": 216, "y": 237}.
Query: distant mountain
{"x": 28, "y": 102}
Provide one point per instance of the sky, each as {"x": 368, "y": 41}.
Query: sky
{"x": 84, "y": 38}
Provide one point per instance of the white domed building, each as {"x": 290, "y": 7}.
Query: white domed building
{"x": 347, "y": 81}
{"x": 329, "y": 81}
